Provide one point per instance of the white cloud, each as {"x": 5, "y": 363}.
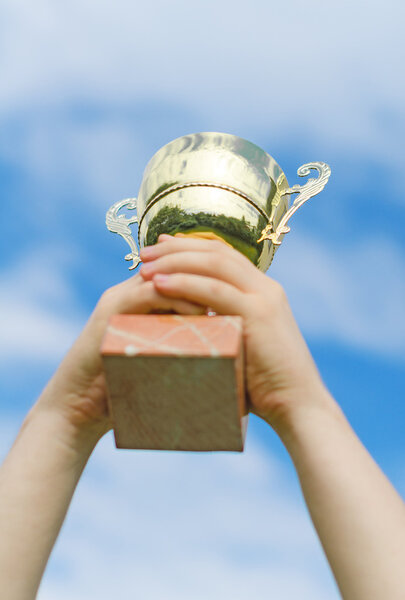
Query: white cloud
{"x": 319, "y": 70}
{"x": 40, "y": 317}
{"x": 354, "y": 293}
{"x": 32, "y": 332}
{"x": 61, "y": 155}
{"x": 165, "y": 525}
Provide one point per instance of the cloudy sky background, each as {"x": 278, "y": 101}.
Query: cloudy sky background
{"x": 90, "y": 90}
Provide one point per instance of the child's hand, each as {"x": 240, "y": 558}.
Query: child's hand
{"x": 280, "y": 371}
{"x": 78, "y": 388}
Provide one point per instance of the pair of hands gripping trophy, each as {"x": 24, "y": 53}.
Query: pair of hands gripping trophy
{"x": 358, "y": 516}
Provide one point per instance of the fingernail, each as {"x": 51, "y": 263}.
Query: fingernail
{"x": 161, "y": 278}
{"x": 148, "y": 251}
{"x": 164, "y": 236}
{"x": 146, "y": 268}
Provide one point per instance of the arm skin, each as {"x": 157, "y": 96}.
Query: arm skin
{"x": 37, "y": 481}
{"x": 359, "y": 517}
{"x": 40, "y": 473}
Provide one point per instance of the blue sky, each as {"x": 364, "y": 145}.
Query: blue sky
{"x": 89, "y": 92}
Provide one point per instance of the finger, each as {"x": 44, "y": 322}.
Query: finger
{"x": 208, "y": 264}
{"x": 149, "y": 300}
{"x": 220, "y": 296}
{"x": 169, "y": 244}
{"x": 144, "y": 298}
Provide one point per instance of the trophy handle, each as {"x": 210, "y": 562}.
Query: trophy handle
{"x": 120, "y": 224}
{"x": 306, "y": 191}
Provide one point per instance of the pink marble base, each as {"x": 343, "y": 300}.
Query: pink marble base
{"x": 176, "y": 382}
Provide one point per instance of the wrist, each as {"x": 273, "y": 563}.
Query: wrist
{"x": 77, "y": 435}
{"x": 295, "y": 417}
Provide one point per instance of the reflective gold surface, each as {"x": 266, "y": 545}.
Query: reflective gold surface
{"x": 215, "y": 159}
{"x": 215, "y": 182}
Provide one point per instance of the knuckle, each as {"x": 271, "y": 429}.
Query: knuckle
{"x": 212, "y": 260}
{"x": 108, "y": 296}
{"x": 215, "y": 287}
{"x": 278, "y": 298}
{"x": 107, "y": 303}
{"x": 279, "y": 295}
{"x": 270, "y": 304}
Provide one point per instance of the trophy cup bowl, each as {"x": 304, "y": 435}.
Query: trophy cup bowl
{"x": 198, "y": 183}
{"x": 220, "y": 183}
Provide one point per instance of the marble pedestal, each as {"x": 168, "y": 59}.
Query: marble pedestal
{"x": 176, "y": 382}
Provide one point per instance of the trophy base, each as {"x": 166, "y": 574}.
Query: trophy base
{"x": 176, "y": 382}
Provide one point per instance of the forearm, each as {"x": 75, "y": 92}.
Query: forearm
{"x": 37, "y": 481}
{"x": 359, "y": 517}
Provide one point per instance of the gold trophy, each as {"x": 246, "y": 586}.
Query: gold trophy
{"x": 176, "y": 382}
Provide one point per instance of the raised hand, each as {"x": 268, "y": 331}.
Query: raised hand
{"x": 279, "y": 368}
{"x": 78, "y": 388}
